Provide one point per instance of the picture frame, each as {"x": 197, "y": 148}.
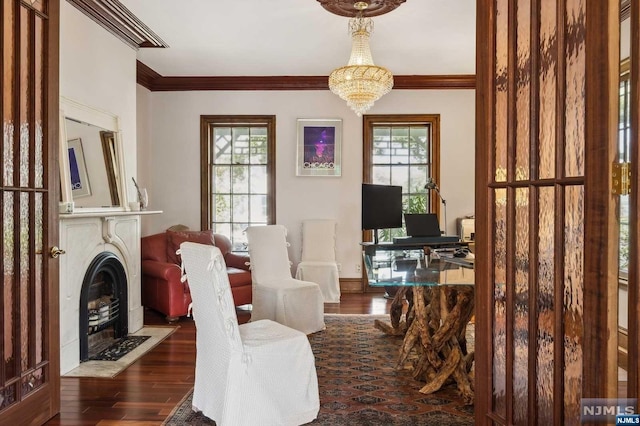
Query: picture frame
{"x": 108, "y": 139}
{"x": 319, "y": 147}
{"x": 78, "y": 169}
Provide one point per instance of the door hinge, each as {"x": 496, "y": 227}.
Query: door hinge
{"x": 621, "y": 179}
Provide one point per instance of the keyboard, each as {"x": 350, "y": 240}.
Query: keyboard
{"x": 427, "y": 240}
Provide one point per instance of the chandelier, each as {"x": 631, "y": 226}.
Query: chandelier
{"x": 360, "y": 83}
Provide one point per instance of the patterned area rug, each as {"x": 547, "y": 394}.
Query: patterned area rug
{"x": 120, "y": 348}
{"x": 359, "y": 384}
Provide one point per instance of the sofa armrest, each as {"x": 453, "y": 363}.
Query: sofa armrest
{"x": 237, "y": 261}
{"x": 169, "y": 272}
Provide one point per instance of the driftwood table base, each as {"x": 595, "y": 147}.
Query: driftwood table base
{"x": 434, "y": 330}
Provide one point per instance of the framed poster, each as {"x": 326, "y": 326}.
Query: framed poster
{"x": 78, "y": 168}
{"x": 319, "y": 147}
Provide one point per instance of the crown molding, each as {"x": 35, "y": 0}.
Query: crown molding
{"x": 155, "y": 82}
{"x": 119, "y": 21}
{"x": 145, "y": 76}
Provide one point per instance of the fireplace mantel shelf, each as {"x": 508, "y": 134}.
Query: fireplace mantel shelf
{"x": 105, "y": 213}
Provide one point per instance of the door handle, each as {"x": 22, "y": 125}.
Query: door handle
{"x": 55, "y": 252}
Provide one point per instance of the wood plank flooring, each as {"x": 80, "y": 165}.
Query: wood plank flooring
{"x": 147, "y": 391}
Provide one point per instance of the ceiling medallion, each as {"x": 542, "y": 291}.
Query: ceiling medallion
{"x": 348, "y": 7}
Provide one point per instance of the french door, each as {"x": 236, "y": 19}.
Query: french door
{"x": 29, "y": 194}
{"x": 546, "y": 226}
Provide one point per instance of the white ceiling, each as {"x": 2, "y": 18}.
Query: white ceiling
{"x": 299, "y": 37}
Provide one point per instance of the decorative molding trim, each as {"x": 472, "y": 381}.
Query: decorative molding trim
{"x": 351, "y": 285}
{"x": 158, "y": 83}
{"x": 357, "y": 285}
{"x": 145, "y": 76}
{"x": 119, "y": 21}
{"x": 420, "y": 82}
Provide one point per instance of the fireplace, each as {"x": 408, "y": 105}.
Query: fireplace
{"x": 103, "y": 247}
{"x": 104, "y": 291}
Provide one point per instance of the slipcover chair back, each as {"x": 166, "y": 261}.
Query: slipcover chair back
{"x": 276, "y": 294}
{"x": 318, "y": 262}
{"x": 270, "y": 244}
{"x": 256, "y": 373}
{"x": 319, "y": 240}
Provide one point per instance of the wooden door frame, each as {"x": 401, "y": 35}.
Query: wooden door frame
{"x": 484, "y": 164}
{"x": 600, "y": 227}
{"x": 633, "y": 385}
{"x": 600, "y": 347}
{"x": 47, "y": 399}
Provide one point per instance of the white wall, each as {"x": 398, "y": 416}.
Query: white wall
{"x": 172, "y": 153}
{"x": 99, "y": 70}
{"x": 144, "y": 147}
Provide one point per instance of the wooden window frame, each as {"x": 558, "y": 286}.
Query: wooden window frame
{"x": 206, "y": 121}
{"x": 370, "y": 121}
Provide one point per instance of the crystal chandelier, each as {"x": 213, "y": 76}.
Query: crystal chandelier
{"x": 360, "y": 83}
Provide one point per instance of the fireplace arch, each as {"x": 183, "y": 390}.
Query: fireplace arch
{"x": 105, "y": 287}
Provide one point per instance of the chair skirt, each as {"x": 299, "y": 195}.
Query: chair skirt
{"x": 272, "y": 382}
{"x": 325, "y": 274}
{"x": 294, "y": 303}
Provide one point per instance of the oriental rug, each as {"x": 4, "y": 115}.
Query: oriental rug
{"x": 359, "y": 384}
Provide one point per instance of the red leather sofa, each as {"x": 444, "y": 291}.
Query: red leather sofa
{"x": 161, "y": 286}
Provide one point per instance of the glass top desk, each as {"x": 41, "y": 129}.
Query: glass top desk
{"x": 400, "y": 265}
{"x": 438, "y": 295}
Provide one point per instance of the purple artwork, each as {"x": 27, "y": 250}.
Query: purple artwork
{"x": 319, "y": 147}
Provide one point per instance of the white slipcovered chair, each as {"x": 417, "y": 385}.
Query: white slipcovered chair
{"x": 318, "y": 263}
{"x": 259, "y": 373}
{"x": 276, "y": 294}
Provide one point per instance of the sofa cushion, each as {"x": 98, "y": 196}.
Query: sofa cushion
{"x": 154, "y": 247}
{"x": 238, "y": 277}
{"x": 175, "y": 238}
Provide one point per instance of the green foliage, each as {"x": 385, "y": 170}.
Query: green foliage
{"x": 624, "y": 248}
{"x": 415, "y": 203}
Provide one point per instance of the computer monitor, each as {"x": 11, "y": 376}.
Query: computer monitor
{"x": 381, "y": 207}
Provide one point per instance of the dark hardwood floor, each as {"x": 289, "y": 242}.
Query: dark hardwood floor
{"x": 147, "y": 391}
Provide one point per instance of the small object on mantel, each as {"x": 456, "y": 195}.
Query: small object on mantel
{"x": 178, "y": 228}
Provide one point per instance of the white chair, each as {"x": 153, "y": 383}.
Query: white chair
{"x": 276, "y": 294}
{"x": 318, "y": 263}
{"x": 257, "y": 373}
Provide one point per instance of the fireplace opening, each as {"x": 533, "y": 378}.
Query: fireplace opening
{"x": 103, "y": 305}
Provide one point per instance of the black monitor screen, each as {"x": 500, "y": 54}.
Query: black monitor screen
{"x": 381, "y": 206}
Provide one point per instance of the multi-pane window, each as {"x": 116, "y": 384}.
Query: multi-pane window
{"x": 238, "y": 190}
{"x": 403, "y": 150}
{"x": 624, "y": 156}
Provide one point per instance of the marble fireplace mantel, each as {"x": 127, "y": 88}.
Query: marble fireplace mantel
{"x": 84, "y": 235}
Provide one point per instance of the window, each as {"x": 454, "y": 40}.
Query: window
{"x": 403, "y": 150}
{"x": 237, "y": 155}
{"x": 624, "y": 156}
